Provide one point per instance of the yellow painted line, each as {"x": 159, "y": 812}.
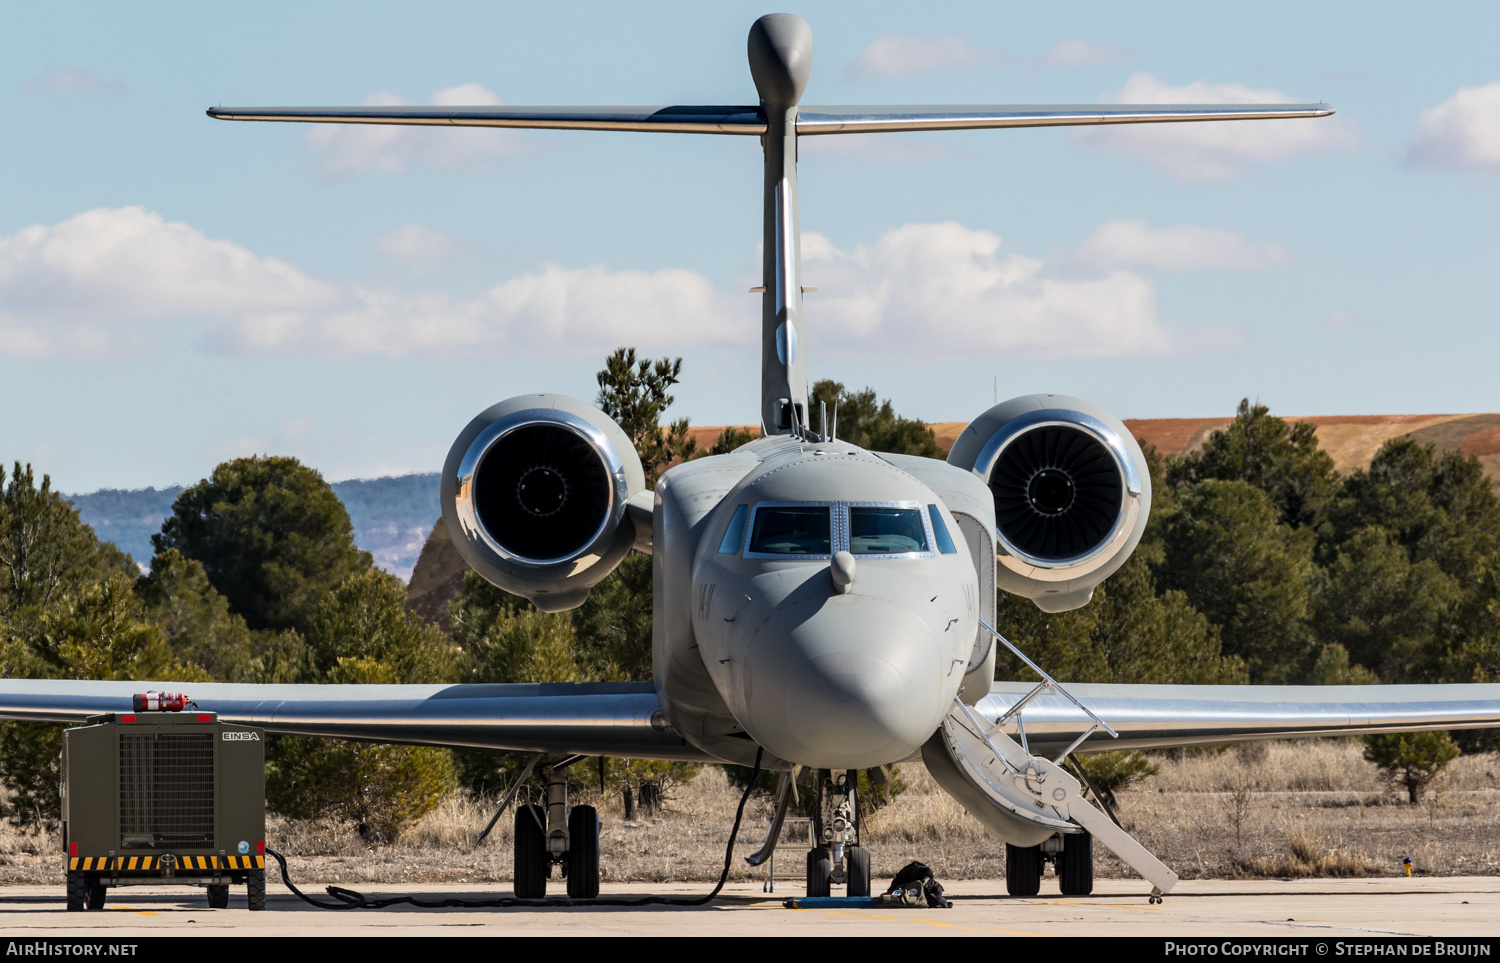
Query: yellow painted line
{"x": 146, "y": 913}
{"x": 1066, "y": 902}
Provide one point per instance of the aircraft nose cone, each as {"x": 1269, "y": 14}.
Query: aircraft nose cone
{"x": 847, "y": 703}
{"x": 847, "y": 682}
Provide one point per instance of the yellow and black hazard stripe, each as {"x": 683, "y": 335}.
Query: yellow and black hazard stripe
{"x": 128, "y": 863}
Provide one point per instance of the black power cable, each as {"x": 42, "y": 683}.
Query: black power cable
{"x": 349, "y": 899}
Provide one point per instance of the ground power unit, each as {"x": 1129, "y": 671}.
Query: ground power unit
{"x": 165, "y": 794}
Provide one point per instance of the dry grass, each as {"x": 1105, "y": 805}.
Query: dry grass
{"x": 1268, "y": 809}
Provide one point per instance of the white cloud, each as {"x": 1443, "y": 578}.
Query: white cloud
{"x": 1134, "y": 245}
{"x": 98, "y": 282}
{"x": 110, "y": 279}
{"x": 1212, "y": 150}
{"x": 575, "y": 311}
{"x": 1461, "y": 133}
{"x": 86, "y": 283}
{"x": 70, "y": 80}
{"x": 353, "y": 149}
{"x": 1083, "y": 53}
{"x": 942, "y": 288}
{"x": 907, "y": 55}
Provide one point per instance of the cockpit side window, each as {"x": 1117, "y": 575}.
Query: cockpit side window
{"x": 940, "y": 532}
{"x": 792, "y": 530}
{"x": 886, "y": 531}
{"x": 734, "y": 536}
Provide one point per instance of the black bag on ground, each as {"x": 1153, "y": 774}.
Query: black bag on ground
{"x": 914, "y": 886}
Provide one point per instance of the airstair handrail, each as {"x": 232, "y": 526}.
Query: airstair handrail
{"x": 1047, "y": 683}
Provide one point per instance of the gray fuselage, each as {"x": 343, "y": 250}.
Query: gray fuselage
{"x": 834, "y": 673}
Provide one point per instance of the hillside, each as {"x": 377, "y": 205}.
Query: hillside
{"x": 391, "y": 516}
{"x": 1352, "y": 440}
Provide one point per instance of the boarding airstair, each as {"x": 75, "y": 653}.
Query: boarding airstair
{"x": 1024, "y": 797}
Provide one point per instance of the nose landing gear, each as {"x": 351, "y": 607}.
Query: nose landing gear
{"x": 839, "y": 859}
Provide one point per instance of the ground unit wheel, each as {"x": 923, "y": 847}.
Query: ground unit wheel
{"x": 218, "y": 897}
{"x": 255, "y": 889}
{"x": 78, "y": 891}
{"x": 1075, "y": 865}
{"x": 1023, "y": 870}
{"x": 583, "y": 852}
{"x": 819, "y": 871}
{"x": 96, "y": 896}
{"x": 532, "y": 863}
{"x": 857, "y": 870}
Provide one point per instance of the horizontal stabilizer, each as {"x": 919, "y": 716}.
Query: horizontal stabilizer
{"x": 872, "y": 120}
{"x": 752, "y": 120}
{"x": 668, "y": 120}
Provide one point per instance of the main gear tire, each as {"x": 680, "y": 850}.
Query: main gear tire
{"x": 1023, "y": 870}
{"x": 1075, "y": 865}
{"x": 96, "y": 896}
{"x": 857, "y": 871}
{"x": 583, "y": 852}
{"x": 819, "y": 872}
{"x": 218, "y": 897}
{"x": 532, "y": 864}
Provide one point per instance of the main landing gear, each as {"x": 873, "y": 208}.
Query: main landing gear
{"x": 1072, "y": 858}
{"x": 557, "y": 836}
{"x": 838, "y": 857}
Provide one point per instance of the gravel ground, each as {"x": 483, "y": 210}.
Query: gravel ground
{"x": 1271, "y": 810}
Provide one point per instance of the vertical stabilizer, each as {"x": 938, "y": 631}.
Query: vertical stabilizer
{"x": 780, "y": 51}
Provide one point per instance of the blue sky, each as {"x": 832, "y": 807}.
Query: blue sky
{"x": 175, "y": 291}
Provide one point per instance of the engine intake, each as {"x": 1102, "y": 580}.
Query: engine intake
{"x": 1071, "y": 494}
{"x": 534, "y": 493}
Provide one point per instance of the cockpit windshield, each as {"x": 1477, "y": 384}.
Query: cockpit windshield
{"x": 792, "y": 530}
{"x": 886, "y": 531}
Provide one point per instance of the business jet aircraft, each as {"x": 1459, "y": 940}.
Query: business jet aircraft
{"x": 816, "y": 605}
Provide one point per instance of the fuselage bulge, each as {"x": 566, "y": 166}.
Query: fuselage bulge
{"x": 834, "y": 602}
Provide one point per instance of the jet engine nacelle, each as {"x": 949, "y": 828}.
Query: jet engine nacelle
{"x": 1072, "y": 493}
{"x": 534, "y": 494}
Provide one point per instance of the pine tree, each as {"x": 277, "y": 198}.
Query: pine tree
{"x": 271, "y": 535}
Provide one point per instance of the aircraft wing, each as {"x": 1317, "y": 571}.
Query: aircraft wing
{"x": 591, "y": 718}
{"x": 752, "y": 120}
{"x": 1159, "y": 716}
{"x": 620, "y": 718}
